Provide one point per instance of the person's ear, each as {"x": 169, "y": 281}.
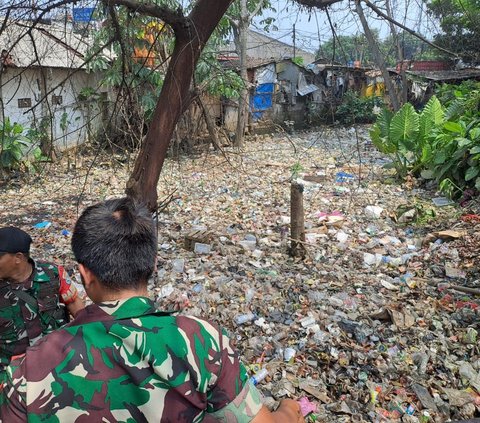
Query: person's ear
{"x": 87, "y": 276}
{"x": 19, "y": 257}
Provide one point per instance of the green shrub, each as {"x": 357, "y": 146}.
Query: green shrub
{"x": 18, "y": 150}
{"x": 356, "y": 109}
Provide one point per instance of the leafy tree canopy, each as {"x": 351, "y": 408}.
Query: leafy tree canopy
{"x": 460, "y": 23}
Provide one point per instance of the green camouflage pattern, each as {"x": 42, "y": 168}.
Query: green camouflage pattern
{"x": 124, "y": 361}
{"x": 22, "y": 324}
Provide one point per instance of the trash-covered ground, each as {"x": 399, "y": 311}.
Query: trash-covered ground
{"x": 366, "y": 328}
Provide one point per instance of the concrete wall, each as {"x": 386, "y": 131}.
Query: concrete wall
{"x": 33, "y": 94}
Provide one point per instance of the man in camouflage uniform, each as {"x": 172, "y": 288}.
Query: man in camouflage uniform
{"x": 121, "y": 360}
{"x": 32, "y": 296}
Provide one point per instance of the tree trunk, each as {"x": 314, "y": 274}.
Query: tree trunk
{"x": 400, "y": 56}
{"x": 242, "y": 53}
{"x": 212, "y": 130}
{"x": 191, "y": 38}
{"x": 389, "y": 87}
{"x": 297, "y": 221}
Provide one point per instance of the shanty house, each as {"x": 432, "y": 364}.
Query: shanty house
{"x": 280, "y": 92}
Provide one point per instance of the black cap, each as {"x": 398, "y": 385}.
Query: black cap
{"x": 14, "y": 240}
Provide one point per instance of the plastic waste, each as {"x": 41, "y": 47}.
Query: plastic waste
{"x": 65, "y": 232}
{"x": 306, "y": 406}
{"x": 249, "y": 294}
{"x": 259, "y": 376}
{"x": 42, "y": 225}
{"x": 342, "y": 237}
{"x": 178, "y": 265}
{"x": 342, "y": 177}
{"x": 373, "y": 212}
{"x": 248, "y": 245}
{"x": 244, "y": 318}
{"x": 442, "y": 201}
{"x": 307, "y": 321}
{"x": 289, "y": 354}
{"x": 202, "y": 248}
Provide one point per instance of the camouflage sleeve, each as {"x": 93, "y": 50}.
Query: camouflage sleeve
{"x": 232, "y": 398}
{"x": 68, "y": 291}
{"x": 243, "y": 408}
{"x": 13, "y": 406}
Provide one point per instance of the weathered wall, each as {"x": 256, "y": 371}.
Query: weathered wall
{"x": 31, "y": 95}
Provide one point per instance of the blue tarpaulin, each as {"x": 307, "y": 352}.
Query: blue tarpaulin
{"x": 82, "y": 14}
{"x": 262, "y": 99}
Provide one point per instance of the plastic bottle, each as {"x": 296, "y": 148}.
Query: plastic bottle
{"x": 259, "y": 376}
{"x": 244, "y": 318}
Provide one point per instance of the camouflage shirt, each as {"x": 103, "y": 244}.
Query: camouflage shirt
{"x": 32, "y": 309}
{"x": 124, "y": 361}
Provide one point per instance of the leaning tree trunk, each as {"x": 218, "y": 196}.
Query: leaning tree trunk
{"x": 400, "y": 55}
{"x": 190, "y": 39}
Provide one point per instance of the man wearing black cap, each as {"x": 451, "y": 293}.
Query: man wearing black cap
{"x": 32, "y": 295}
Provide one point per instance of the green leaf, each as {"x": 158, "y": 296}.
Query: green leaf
{"x": 471, "y": 173}
{"x": 431, "y": 117}
{"x": 404, "y": 127}
{"x": 475, "y": 133}
{"x": 475, "y": 150}
{"x": 427, "y": 174}
{"x": 453, "y": 127}
{"x": 477, "y": 183}
{"x": 463, "y": 142}
{"x": 440, "y": 157}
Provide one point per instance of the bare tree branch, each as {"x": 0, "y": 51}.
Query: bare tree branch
{"x": 174, "y": 18}
{"x": 406, "y": 28}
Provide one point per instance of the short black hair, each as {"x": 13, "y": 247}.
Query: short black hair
{"x": 117, "y": 241}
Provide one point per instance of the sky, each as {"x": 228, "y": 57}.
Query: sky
{"x": 313, "y": 28}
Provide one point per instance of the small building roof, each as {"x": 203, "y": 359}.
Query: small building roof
{"x": 30, "y": 44}
{"x": 270, "y": 46}
{"x": 447, "y": 75}
{"x": 254, "y": 63}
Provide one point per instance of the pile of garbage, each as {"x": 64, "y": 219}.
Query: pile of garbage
{"x": 379, "y": 322}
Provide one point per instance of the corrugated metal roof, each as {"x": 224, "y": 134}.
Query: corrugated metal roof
{"x": 447, "y": 75}
{"x": 43, "y": 45}
{"x": 307, "y": 89}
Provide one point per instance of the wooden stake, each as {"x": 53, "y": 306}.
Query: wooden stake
{"x": 297, "y": 222}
